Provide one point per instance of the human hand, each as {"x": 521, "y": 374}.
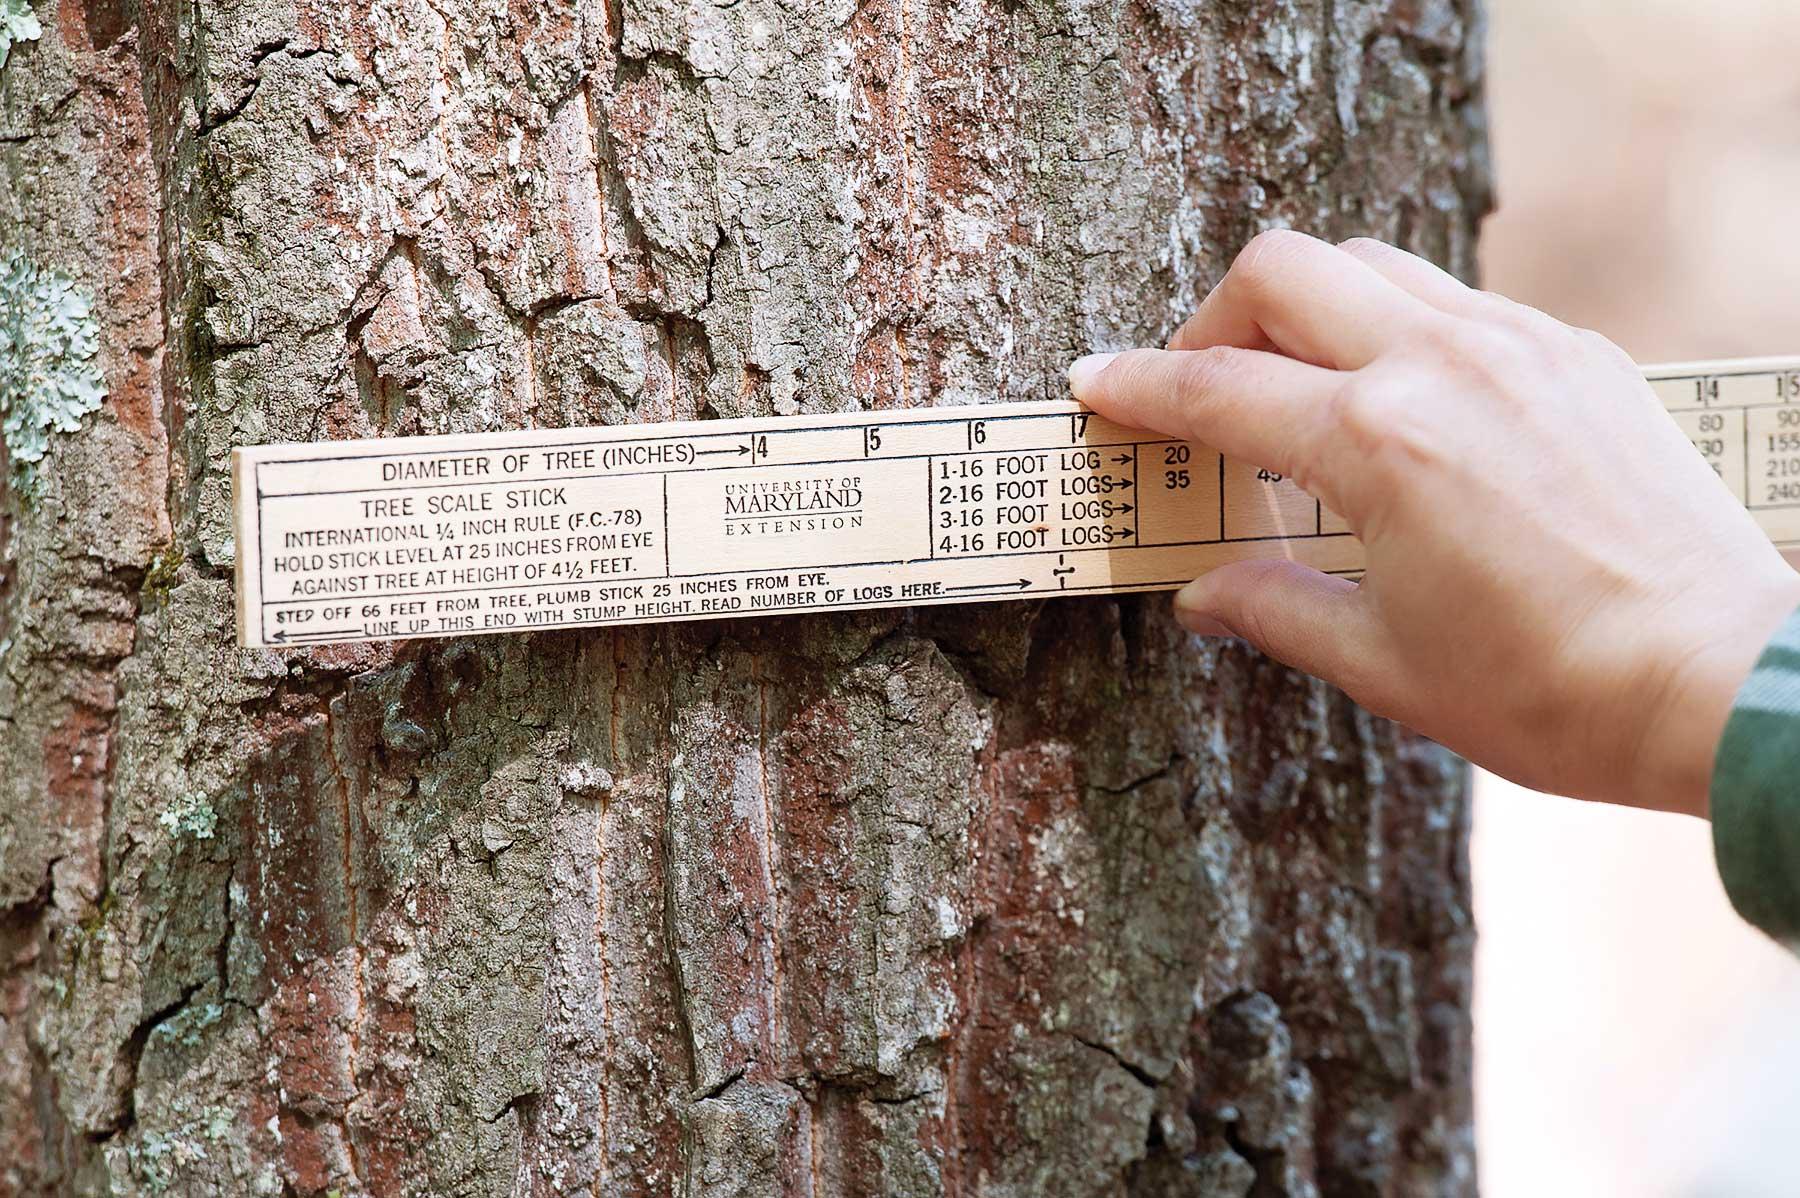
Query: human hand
{"x": 1558, "y": 586}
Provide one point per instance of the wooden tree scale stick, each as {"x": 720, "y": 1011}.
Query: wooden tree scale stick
{"x": 540, "y": 529}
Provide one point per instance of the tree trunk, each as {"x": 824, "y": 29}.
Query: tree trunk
{"x": 1037, "y": 898}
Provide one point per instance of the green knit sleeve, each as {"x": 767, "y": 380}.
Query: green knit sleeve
{"x": 1756, "y": 792}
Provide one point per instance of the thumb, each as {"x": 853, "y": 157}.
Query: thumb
{"x": 1300, "y": 617}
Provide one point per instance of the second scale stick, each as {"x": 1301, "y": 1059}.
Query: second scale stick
{"x": 542, "y": 529}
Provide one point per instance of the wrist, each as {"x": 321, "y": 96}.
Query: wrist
{"x": 1688, "y": 711}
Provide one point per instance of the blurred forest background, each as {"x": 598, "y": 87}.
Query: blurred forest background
{"x": 1633, "y": 1036}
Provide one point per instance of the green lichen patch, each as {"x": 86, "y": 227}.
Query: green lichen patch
{"x": 50, "y": 374}
{"x": 17, "y": 24}
{"x": 190, "y": 815}
{"x": 162, "y": 575}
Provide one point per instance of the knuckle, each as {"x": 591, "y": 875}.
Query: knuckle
{"x": 1509, "y": 313}
{"x": 1361, "y": 411}
{"x": 1437, "y": 344}
{"x": 1377, "y": 423}
{"x": 1487, "y": 349}
{"x": 1204, "y": 371}
{"x": 1264, "y": 259}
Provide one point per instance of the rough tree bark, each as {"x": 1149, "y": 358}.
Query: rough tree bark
{"x": 1024, "y": 899}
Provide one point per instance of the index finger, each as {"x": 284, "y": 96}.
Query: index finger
{"x": 1307, "y": 299}
{"x": 1262, "y": 408}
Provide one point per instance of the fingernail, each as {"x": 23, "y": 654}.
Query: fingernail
{"x": 1085, "y": 370}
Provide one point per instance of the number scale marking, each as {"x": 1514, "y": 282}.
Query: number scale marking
{"x": 522, "y": 531}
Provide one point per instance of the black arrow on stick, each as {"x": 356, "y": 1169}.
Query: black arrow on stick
{"x": 993, "y": 586}
{"x": 284, "y": 636}
{"x": 1122, "y": 459}
{"x": 707, "y": 453}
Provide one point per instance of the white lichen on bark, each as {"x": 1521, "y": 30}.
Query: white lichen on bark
{"x": 190, "y": 815}
{"x": 18, "y": 23}
{"x": 50, "y": 377}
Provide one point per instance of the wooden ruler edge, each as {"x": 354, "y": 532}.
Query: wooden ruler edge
{"x": 1709, "y": 368}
